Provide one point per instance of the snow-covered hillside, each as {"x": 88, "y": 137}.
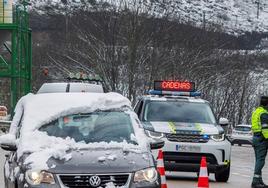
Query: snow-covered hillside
{"x": 235, "y": 16}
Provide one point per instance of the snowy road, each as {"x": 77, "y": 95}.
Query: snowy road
{"x": 241, "y": 172}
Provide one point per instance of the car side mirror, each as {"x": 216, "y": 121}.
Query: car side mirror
{"x": 8, "y": 147}
{"x": 223, "y": 122}
{"x": 157, "y": 144}
{"x": 8, "y": 142}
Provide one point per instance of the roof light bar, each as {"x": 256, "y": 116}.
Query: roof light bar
{"x": 171, "y": 85}
{"x": 175, "y": 93}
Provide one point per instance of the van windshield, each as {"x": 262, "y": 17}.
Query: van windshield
{"x": 93, "y": 127}
{"x": 179, "y": 111}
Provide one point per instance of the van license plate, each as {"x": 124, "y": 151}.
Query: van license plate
{"x": 185, "y": 148}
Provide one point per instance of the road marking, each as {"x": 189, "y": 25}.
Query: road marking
{"x": 247, "y": 176}
{"x": 243, "y": 175}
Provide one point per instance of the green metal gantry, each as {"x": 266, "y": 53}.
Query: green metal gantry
{"x": 18, "y": 67}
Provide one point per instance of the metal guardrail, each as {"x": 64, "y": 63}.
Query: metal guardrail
{"x": 4, "y": 126}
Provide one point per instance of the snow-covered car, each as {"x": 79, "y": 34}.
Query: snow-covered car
{"x": 175, "y": 113}
{"x": 70, "y": 87}
{"x": 241, "y": 134}
{"x": 87, "y": 140}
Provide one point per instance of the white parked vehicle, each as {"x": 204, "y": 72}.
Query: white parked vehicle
{"x": 174, "y": 113}
{"x": 70, "y": 87}
{"x": 241, "y": 134}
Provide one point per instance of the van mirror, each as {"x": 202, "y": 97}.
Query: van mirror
{"x": 224, "y": 122}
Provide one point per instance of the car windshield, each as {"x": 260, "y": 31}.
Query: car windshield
{"x": 93, "y": 127}
{"x": 179, "y": 111}
{"x": 243, "y": 128}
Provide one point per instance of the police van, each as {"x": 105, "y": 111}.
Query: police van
{"x": 175, "y": 113}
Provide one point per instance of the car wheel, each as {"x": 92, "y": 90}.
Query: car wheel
{"x": 239, "y": 144}
{"x": 222, "y": 174}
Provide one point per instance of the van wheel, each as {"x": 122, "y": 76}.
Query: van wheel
{"x": 222, "y": 174}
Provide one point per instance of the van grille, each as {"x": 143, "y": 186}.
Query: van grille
{"x": 82, "y": 181}
{"x": 188, "y": 158}
{"x": 187, "y": 138}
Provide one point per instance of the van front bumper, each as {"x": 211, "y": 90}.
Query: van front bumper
{"x": 218, "y": 155}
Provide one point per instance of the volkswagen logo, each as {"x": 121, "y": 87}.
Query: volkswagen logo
{"x": 94, "y": 181}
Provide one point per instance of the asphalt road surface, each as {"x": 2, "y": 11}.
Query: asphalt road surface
{"x": 242, "y": 165}
{"x": 241, "y": 172}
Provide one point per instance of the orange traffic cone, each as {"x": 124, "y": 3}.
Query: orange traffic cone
{"x": 161, "y": 169}
{"x": 203, "y": 174}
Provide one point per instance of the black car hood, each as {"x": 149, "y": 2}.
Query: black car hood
{"x": 101, "y": 161}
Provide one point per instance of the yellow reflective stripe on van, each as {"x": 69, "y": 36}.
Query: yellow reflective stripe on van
{"x": 199, "y": 128}
{"x": 172, "y": 127}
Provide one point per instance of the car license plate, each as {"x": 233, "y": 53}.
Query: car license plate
{"x": 186, "y": 148}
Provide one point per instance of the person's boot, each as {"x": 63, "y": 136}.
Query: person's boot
{"x": 259, "y": 185}
{"x": 265, "y": 186}
{"x": 257, "y": 182}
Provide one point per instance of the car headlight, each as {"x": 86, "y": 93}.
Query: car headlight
{"x": 36, "y": 177}
{"x": 155, "y": 135}
{"x": 146, "y": 175}
{"x": 218, "y": 137}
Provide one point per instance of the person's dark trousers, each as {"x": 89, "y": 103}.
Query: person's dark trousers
{"x": 260, "y": 146}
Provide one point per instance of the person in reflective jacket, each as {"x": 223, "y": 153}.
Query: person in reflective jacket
{"x": 259, "y": 128}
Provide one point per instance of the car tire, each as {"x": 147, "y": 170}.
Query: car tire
{"x": 222, "y": 174}
{"x": 239, "y": 144}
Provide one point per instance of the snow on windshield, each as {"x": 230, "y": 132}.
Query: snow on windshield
{"x": 42, "y": 109}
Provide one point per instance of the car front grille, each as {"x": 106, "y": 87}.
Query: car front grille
{"x": 82, "y": 181}
{"x": 187, "y": 138}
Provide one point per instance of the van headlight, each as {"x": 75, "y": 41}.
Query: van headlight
{"x": 36, "y": 177}
{"x": 155, "y": 135}
{"x": 218, "y": 137}
{"x": 146, "y": 175}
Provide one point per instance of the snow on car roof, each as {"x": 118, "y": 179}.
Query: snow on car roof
{"x": 41, "y": 109}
